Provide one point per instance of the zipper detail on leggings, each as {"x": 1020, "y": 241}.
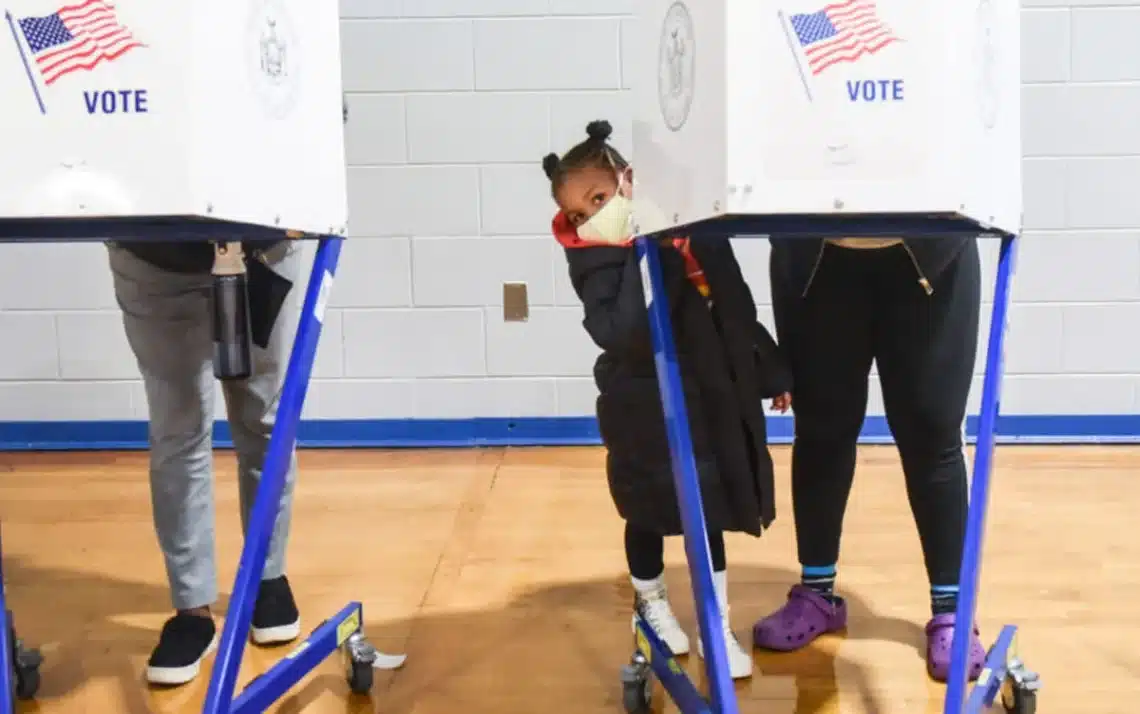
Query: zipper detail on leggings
{"x": 814, "y": 268}
{"x": 922, "y": 281}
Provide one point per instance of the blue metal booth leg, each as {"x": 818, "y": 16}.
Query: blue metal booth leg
{"x": 342, "y": 630}
{"x": 652, "y": 654}
{"x": 1003, "y": 669}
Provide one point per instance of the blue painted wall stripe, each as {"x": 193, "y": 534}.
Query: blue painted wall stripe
{"x": 537, "y": 431}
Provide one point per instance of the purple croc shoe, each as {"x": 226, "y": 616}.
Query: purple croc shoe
{"x": 939, "y": 636}
{"x": 804, "y": 617}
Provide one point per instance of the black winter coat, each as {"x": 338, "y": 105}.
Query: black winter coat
{"x": 728, "y": 361}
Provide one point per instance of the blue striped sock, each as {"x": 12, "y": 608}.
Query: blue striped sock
{"x": 943, "y": 599}
{"x": 821, "y": 579}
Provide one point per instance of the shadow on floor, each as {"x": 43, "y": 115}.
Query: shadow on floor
{"x": 89, "y": 626}
{"x": 555, "y": 647}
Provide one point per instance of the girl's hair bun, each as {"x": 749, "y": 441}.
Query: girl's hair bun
{"x": 599, "y": 130}
{"x": 550, "y": 165}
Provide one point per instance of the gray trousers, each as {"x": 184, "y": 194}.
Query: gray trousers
{"x": 168, "y": 323}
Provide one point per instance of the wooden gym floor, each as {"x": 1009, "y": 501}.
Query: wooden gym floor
{"x": 500, "y": 573}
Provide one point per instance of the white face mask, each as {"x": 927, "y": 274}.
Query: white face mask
{"x": 613, "y": 223}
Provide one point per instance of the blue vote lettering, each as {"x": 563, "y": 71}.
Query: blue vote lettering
{"x": 116, "y": 101}
{"x": 875, "y": 90}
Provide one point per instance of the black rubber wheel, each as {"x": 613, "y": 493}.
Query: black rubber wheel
{"x": 360, "y": 678}
{"x": 1023, "y": 701}
{"x": 637, "y": 697}
{"x": 25, "y": 665}
{"x": 27, "y": 682}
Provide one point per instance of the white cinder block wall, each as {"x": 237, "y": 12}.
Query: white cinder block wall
{"x": 453, "y": 103}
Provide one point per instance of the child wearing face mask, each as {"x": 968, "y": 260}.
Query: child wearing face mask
{"x": 729, "y": 363}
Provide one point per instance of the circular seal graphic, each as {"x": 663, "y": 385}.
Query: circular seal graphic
{"x": 273, "y": 58}
{"x": 985, "y": 60}
{"x": 676, "y": 66}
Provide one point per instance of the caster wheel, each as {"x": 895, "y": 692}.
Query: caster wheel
{"x": 360, "y": 677}
{"x": 636, "y": 687}
{"x": 27, "y": 683}
{"x": 1020, "y": 701}
{"x": 637, "y": 697}
{"x": 25, "y": 669}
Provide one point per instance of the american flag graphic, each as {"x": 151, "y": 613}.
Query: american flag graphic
{"x": 76, "y": 38}
{"x": 841, "y": 32}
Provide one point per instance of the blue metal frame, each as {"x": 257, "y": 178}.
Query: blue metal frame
{"x": 994, "y": 672}
{"x": 668, "y": 671}
{"x": 275, "y": 682}
{"x": 326, "y": 639}
{"x": 968, "y": 578}
{"x": 722, "y": 698}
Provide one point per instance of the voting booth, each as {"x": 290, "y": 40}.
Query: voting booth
{"x": 851, "y": 107}
{"x": 214, "y": 121}
{"x": 220, "y": 110}
{"x": 811, "y": 119}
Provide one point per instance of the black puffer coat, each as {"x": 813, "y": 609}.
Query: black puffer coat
{"x": 728, "y": 361}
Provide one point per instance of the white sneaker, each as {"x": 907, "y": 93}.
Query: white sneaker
{"x": 739, "y": 659}
{"x": 653, "y": 604}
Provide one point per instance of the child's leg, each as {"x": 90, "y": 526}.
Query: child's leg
{"x": 739, "y": 659}
{"x": 716, "y": 550}
{"x": 645, "y": 553}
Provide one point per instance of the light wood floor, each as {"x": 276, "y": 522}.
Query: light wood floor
{"x": 500, "y": 573}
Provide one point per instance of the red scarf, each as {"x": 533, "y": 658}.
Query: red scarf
{"x": 692, "y": 267}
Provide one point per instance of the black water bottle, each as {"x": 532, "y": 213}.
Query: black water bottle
{"x": 233, "y": 349}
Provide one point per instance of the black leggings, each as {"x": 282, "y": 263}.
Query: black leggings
{"x": 645, "y": 552}
{"x": 864, "y": 306}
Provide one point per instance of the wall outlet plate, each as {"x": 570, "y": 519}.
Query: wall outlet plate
{"x": 516, "y": 304}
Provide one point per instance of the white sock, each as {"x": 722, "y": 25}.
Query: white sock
{"x": 647, "y": 586}
{"x": 720, "y": 586}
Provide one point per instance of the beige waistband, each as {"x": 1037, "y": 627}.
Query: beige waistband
{"x": 864, "y": 243}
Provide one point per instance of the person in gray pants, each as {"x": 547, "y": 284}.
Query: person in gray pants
{"x": 164, "y": 291}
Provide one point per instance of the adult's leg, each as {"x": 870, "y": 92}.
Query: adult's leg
{"x": 825, "y": 336}
{"x": 251, "y": 407}
{"x": 167, "y": 321}
{"x": 925, "y": 346}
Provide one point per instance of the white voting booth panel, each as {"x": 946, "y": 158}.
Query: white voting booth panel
{"x": 219, "y": 109}
{"x": 847, "y": 107}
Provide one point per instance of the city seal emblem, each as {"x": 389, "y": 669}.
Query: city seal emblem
{"x": 676, "y": 68}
